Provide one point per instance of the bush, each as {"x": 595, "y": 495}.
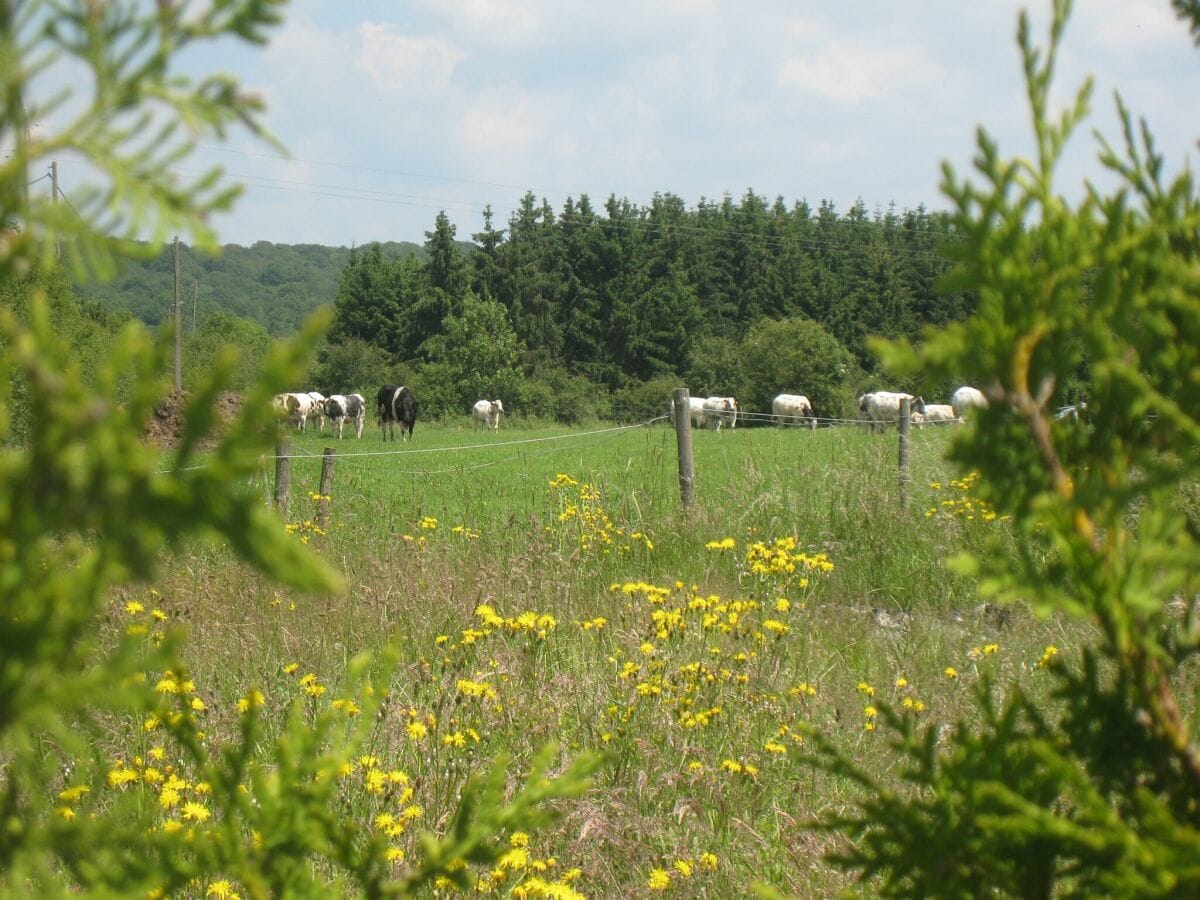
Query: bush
{"x": 1094, "y": 791}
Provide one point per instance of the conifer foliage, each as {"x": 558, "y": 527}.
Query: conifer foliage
{"x": 1094, "y": 790}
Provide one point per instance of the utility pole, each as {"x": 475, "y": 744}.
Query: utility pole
{"x": 195, "y": 285}
{"x": 54, "y": 200}
{"x": 178, "y": 327}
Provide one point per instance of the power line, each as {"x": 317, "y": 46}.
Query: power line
{"x": 634, "y": 222}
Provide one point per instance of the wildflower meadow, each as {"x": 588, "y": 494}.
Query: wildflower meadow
{"x": 693, "y": 652}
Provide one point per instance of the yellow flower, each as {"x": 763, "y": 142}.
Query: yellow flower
{"x": 659, "y": 880}
{"x": 196, "y": 811}
{"x": 708, "y": 861}
{"x": 950, "y": 672}
{"x": 683, "y": 867}
{"x": 121, "y": 776}
{"x": 221, "y": 889}
{"x": 133, "y": 607}
{"x": 416, "y": 731}
{"x": 901, "y": 681}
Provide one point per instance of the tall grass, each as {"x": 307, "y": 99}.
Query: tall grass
{"x": 694, "y": 674}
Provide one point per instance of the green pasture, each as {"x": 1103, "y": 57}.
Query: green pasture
{"x": 699, "y": 719}
{"x": 834, "y": 489}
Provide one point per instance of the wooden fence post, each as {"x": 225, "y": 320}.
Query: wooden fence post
{"x": 904, "y": 427}
{"x": 283, "y": 476}
{"x": 326, "y": 497}
{"x": 683, "y": 435}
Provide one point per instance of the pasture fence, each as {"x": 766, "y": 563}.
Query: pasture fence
{"x": 680, "y": 414}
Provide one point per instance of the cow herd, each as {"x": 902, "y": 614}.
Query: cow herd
{"x": 879, "y": 409}
{"x": 882, "y": 408}
{"x": 395, "y": 405}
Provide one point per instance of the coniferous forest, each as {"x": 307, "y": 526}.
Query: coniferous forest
{"x": 578, "y": 312}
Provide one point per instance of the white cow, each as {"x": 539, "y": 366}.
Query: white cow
{"x": 695, "y": 411}
{"x": 340, "y": 407}
{"x": 935, "y": 414}
{"x": 317, "y": 410}
{"x": 793, "y": 409}
{"x": 967, "y": 398}
{"x": 883, "y": 407}
{"x": 1071, "y": 413}
{"x": 293, "y": 408}
{"x": 487, "y": 413}
{"x": 719, "y": 411}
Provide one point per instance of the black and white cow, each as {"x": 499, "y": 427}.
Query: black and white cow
{"x": 340, "y": 407}
{"x": 397, "y": 404}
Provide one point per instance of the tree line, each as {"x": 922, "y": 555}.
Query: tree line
{"x": 582, "y": 312}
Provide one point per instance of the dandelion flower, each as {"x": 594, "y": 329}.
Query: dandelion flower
{"x": 196, "y": 812}
{"x": 659, "y": 880}
{"x": 950, "y": 672}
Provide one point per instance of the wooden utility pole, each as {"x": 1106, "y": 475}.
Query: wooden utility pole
{"x": 178, "y": 326}
{"x": 195, "y": 286}
{"x": 54, "y": 200}
{"x": 683, "y": 435}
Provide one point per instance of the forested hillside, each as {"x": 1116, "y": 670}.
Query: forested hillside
{"x": 579, "y": 312}
{"x": 577, "y": 308}
{"x": 274, "y": 285}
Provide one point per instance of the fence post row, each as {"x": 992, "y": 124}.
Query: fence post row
{"x": 904, "y": 427}
{"x": 681, "y": 407}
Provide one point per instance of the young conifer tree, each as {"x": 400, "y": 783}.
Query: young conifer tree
{"x": 88, "y": 507}
{"x": 1095, "y": 790}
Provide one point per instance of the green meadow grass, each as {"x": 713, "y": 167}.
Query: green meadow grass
{"x": 692, "y": 673}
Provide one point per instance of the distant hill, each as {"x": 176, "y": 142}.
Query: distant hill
{"x": 276, "y": 285}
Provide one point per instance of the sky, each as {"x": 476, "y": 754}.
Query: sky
{"x": 394, "y": 111}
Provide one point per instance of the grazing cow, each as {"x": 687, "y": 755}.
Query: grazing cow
{"x": 487, "y": 413}
{"x": 1071, "y": 413}
{"x": 397, "y": 405}
{"x": 293, "y": 408}
{"x": 935, "y": 414}
{"x": 340, "y": 407}
{"x": 793, "y": 409}
{"x": 967, "y": 398}
{"x": 719, "y": 411}
{"x": 883, "y": 407}
{"x": 318, "y": 409}
{"x": 695, "y": 411}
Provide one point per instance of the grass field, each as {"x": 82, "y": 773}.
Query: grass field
{"x": 542, "y": 584}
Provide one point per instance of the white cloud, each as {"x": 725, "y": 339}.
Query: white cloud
{"x": 401, "y": 63}
{"x": 850, "y": 74}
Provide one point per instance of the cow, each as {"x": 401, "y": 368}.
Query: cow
{"x": 695, "y": 411}
{"x": 935, "y": 414}
{"x": 1071, "y": 413}
{"x": 487, "y": 413}
{"x": 340, "y": 407}
{"x": 883, "y": 407}
{"x": 397, "y": 405}
{"x": 293, "y": 408}
{"x": 965, "y": 398}
{"x": 793, "y": 409}
{"x": 317, "y": 410}
{"x": 719, "y": 411}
